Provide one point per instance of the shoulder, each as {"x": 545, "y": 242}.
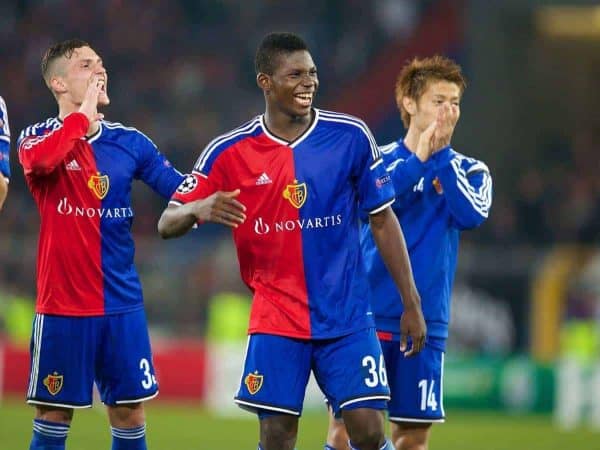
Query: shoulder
{"x": 40, "y": 128}
{"x": 118, "y": 130}
{"x": 391, "y": 153}
{"x": 352, "y": 125}
{"x": 344, "y": 121}
{"x": 389, "y": 148}
{"x": 225, "y": 141}
{"x": 467, "y": 164}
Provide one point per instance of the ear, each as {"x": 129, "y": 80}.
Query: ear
{"x": 57, "y": 85}
{"x": 264, "y": 81}
{"x": 409, "y": 105}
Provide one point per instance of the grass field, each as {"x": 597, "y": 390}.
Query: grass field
{"x": 191, "y": 428}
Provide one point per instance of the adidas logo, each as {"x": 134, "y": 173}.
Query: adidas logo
{"x": 263, "y": 179}
{"x": 73, "y": 165}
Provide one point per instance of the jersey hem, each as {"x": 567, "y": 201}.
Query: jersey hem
{"x": 87, "y": 313}
{"x": 309, "y": 337}
{"x": 392, "y": 325}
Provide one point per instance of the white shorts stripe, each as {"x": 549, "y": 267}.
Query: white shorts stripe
{"x": 61, "y": 405}
{"x": 35, "y": 360}
{"x": 410, "y": 419}
{"x": 136, "y": 400}
{"x": 362, "y": 399}
{"x": 254, "y": 406}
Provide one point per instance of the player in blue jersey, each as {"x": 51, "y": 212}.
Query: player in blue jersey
{"x": 90, "y": 325}
{"x": 4, "y": 152}
{"x": 439, "y": 193}
{"x": 304, "y": 174}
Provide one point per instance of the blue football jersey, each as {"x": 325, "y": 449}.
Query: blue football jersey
{"x": 4, "y": 140}
{"x": 434, "y": 202}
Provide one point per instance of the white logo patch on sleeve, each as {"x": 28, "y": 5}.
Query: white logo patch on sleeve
{"x": 187, "y": 185}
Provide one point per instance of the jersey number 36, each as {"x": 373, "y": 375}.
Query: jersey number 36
{"x": 377, "y": 373}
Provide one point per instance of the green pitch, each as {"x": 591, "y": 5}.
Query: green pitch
{"x": 191, "y": 428}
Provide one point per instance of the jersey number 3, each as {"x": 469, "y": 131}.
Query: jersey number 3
{"x": 149, "y": 379}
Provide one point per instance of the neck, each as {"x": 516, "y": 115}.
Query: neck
{"x": 285, "y": 125}
{"x": 412, "y": 138}
{"x": 65, "y": 109}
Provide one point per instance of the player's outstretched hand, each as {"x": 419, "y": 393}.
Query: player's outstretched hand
{"x": 221, "y": 207}
{"x": 89, "y": 106}
{"x": 412, "y": 324}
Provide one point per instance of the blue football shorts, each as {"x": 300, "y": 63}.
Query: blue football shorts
{"x": 69, "y": 354}
{"x": 416, "y": 382}
{"x": 350, "y": 370}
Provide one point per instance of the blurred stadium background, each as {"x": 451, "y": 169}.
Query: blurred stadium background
{"x": 523, "y": 365}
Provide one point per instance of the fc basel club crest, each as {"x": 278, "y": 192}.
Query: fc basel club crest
{"x": 438, "y": 186}
{"x": 99, "y": 185}
{"x": 54, "y": 383}
{"x": 295, "y": 193}
{"x": 253, "y": 382}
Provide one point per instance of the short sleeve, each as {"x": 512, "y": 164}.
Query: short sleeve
{"x": 199, "y": 184}
{"x": 154, "y": 168}
{"x": 375, "y": 187}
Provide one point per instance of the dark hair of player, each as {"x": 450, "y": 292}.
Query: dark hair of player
{"x": 58, "y": 50}
{"x": 274, "y": 45}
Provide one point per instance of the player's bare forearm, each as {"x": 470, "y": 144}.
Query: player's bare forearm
{"x": 3, "y": 190}
{"x": 392, "y": 247}
{"x": 220, "y": 207}
{"x": 175, "y": 220}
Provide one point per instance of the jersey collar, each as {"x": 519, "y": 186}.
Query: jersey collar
{"x": 296, "y": 141}
{"x": 93, "y": 137}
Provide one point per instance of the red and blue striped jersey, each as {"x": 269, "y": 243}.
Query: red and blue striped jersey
{"x": 299, "y": 249}
{"x": 82, "y": 187}
{"x": 4, "y": 141}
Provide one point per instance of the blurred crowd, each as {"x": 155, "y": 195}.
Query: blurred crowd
{"x": 182, "y": 72}
{"x": 556, "y": 200}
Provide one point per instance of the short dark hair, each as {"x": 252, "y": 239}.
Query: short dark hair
{"x": 58, "y": 50}
{"x": 272, "y": 46}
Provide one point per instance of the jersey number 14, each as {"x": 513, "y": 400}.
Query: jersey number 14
{"x": 428, "y": 395}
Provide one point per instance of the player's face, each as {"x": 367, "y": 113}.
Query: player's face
{"x": 437, "y": 95}
{"x": 83, "y": 64}
{"x": 294, "y": 83}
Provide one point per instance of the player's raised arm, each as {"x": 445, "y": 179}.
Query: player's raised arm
{"x": 220, "y": 207}
{"x": 41, "y": 154}
{"x": 392, "y": 247}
